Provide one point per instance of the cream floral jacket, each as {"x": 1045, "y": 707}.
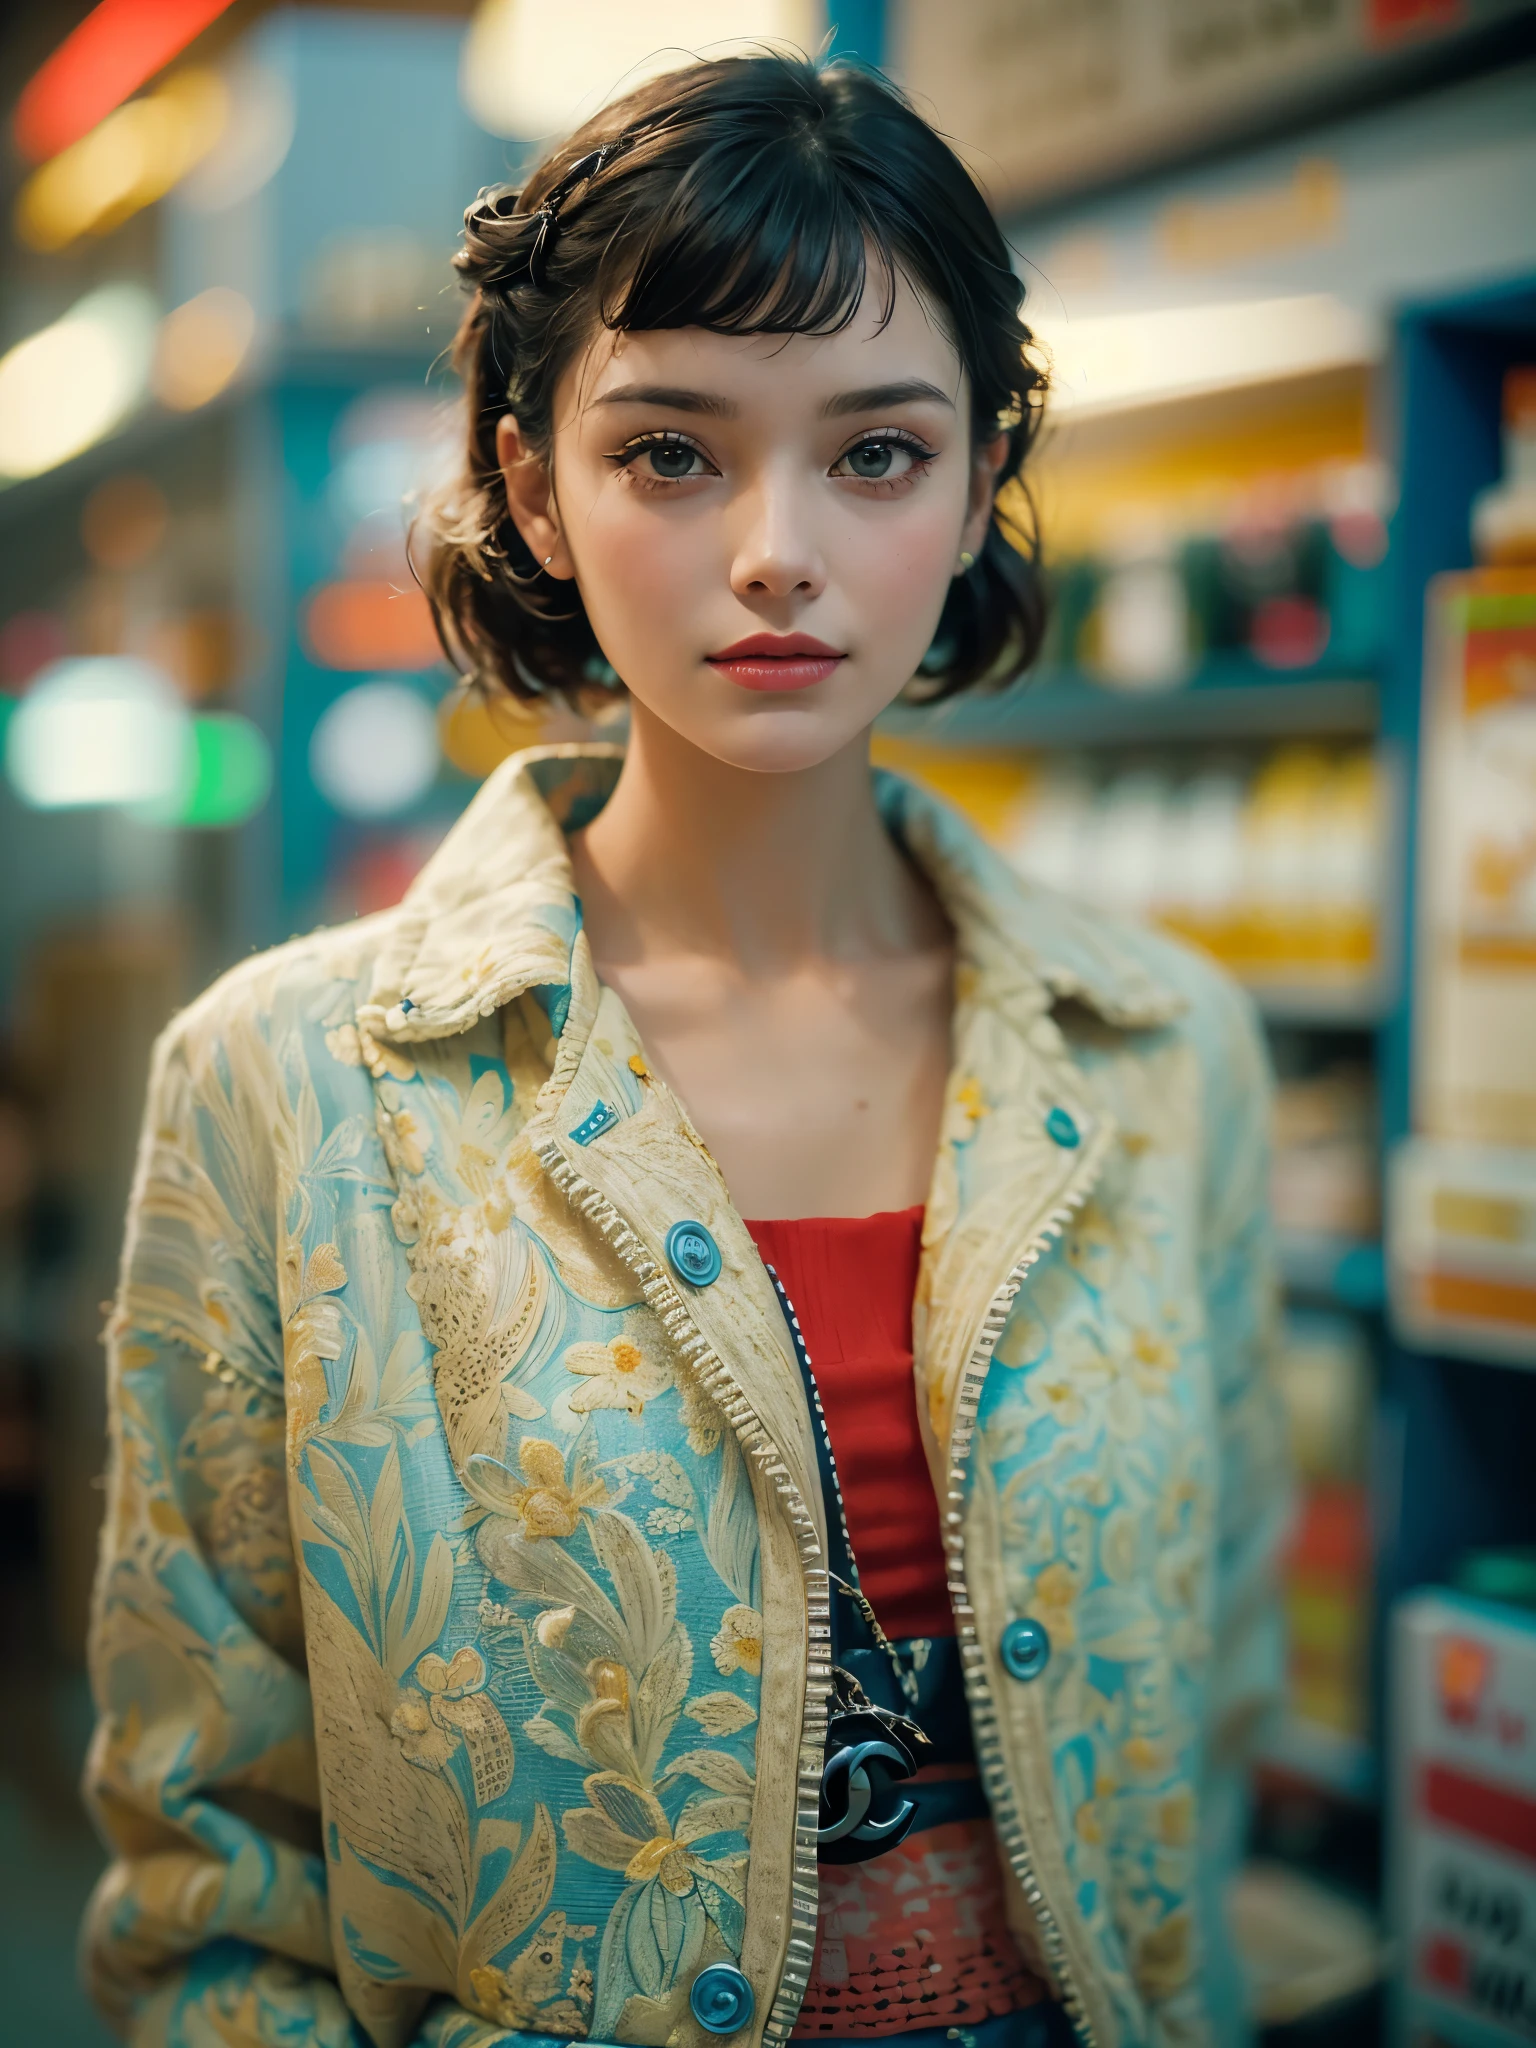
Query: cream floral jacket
{"x": 461, "y": 1637}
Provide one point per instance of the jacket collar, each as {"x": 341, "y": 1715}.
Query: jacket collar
{"x": 494, "y": 915}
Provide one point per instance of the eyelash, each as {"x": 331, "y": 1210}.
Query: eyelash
{"x": 923, "y": 457}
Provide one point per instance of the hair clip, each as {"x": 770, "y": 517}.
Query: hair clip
{"x": 548, "y": 216}
{"x": 493, "y": 206}
{"x": 544, "y": 219}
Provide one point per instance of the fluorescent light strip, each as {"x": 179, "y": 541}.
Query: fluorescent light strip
{"x": 1115, "y": 361}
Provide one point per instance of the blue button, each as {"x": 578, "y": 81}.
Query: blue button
{"x": 694, "y": 1257}
{"x": 1026, "y": 1649}
{"x": 721, "y": 1998}
{"x": 1061, "y": 1127}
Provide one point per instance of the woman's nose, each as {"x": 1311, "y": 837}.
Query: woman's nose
{"x": 777, "y": 551}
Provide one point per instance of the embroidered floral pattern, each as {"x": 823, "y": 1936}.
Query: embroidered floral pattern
{"x": 738, "y": 1644}
{"x": 543, "y": 1500}
{"x": 617, "y": 1375}
{"x": 453, "y": 1710}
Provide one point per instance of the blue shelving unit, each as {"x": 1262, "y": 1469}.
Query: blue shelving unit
{"x": 1226, "y": 699}
{"x": 1455, "y": 1435}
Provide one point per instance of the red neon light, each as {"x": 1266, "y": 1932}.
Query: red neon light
{"x": 119, "y": 45}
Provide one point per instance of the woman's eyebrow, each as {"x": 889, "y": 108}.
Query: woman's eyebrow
{"x": 870, "y": 398}
{"x": 876, "y": 397}
{"x": 674, "y": 397}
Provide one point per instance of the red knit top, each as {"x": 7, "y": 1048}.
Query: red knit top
{"x": 859, "y": 1337}
{"x": 917, "y": 1938}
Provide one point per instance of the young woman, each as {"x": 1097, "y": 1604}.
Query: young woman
{"x": 538, "y": 1603}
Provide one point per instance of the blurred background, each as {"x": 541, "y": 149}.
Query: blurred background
{"x": 1283, "y": 255}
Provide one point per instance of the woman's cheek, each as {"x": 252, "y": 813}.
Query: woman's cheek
{"x": 640, "y": 585}
{"x": 899, "y": 573}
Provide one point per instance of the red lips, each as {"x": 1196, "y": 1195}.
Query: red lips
{"x": 776, "y": 661}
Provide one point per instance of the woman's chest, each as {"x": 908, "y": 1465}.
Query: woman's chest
{"x": 817, "y": 1093}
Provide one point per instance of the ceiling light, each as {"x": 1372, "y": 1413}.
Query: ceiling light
{"x": 374, "y": 752}
{"x": 129, "y": 161}
{"x": 118, "y": 47}
{"x": 253, "y": 144}
{"x": 66, "y": 386}
{"x": 1115, "y": 360}
{"x": 201, "y": 347}
{"x": 529, "y": 68}
{"x": 99, "y": 730}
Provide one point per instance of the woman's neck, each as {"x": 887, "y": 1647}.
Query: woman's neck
{"x": 765, "y": 872}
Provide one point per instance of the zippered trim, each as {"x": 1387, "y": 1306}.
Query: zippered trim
{"x": 715, "y": 1376}
{"x": 852, "y": 1584}
{"x": 973, "y": 1657}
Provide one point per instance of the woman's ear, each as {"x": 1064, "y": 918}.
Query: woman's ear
{"x": 531, "y": 499}
{"x": 985, "y": 464}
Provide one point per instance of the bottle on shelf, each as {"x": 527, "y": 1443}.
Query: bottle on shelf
{"x": 1275, "y": 866}
{"x": 1324, "y": 1376}
{"x": 1504, "y": 516}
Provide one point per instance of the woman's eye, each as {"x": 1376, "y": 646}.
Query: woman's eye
{"x": 673, "y": 460}
{"x": 876, "y": 462}
{"x": 665, "y": 460}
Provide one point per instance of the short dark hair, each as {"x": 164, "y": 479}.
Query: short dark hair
{"x": 741, "y": 196}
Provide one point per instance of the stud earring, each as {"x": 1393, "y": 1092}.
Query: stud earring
{"x": 967, "y": 561}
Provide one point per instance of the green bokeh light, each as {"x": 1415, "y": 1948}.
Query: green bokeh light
{"x": 232, "y": 775}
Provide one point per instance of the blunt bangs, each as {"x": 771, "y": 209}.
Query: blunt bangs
{"x": 757, "y": 240}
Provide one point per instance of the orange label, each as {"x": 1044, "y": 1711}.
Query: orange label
{"x": 1464, "y": 1668}
{"x": 1471, "y": 1296}
{"x": 1499, "y": 665}
{"x": 1497, "y": 949}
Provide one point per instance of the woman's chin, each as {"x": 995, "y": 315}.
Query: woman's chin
{"x": 777, "y": 735}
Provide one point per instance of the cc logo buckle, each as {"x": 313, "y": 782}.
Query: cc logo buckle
{"x": 854, "y": 1787}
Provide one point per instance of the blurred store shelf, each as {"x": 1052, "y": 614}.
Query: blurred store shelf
{"x": 1304, "y": 1946}
{"x": 1273, "y": 858}
{"x": 1317, "y": 1267}
{"x": 1221, "y": 702}
{"x": 1343, "y": 1765}
{"x": 1347, "y": 1006}
{"x": 1325, "y": 1373}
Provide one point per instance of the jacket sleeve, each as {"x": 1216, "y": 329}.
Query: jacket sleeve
{"x": 210, "y": 1924}
{"x": 1240, "y": 1286}
{"x": 209, "y": 1928}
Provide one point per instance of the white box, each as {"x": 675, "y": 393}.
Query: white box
{"x": 1462, "y": 1846}
{"x": 1461, "y": 1247}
